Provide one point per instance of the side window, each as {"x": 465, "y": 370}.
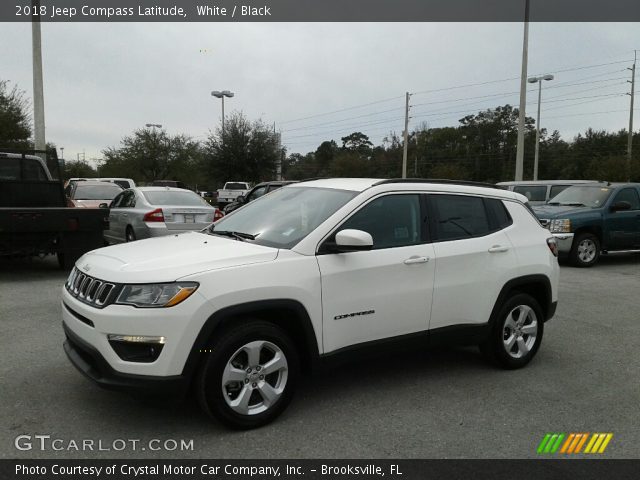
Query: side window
{"x": 628, "y": 195}
{"x": 458, "y": 217}
{"x": 117, "y": 202}
{"x": 534, "y": 193}
{"x": 129, "y": 199}
{"x": 392, "y": 221}
{"x": 499, "y": 217}
{"x": 10, "y": 169}
{"x": 258, "y": 192}
{"x": 33, "y": 170}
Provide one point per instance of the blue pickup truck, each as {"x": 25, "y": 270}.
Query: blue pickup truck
{"x": 588, "y": 220}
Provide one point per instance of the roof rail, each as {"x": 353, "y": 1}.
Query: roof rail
{"x": 438, "y": 180}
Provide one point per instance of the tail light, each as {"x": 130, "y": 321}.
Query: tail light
{"x": 553, "y": 246}
{"x": 154, "y": 216}
{"x": 217, "y": 215}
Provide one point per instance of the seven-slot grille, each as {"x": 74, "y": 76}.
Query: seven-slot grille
{"x": 90, "y": 290}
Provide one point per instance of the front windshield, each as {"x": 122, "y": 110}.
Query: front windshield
{"x": 284, "y": 217}
{"x": 580, "y": 196}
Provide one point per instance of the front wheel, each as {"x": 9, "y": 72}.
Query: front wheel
{"x": 249, "y": 375}
{"x": 516, "y": 333}
{"x": 585, "y": 251}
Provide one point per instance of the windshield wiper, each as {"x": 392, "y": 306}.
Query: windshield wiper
{"x": 237, "y": 235}
{"x": 553, "y": 203}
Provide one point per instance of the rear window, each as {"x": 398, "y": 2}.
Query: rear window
{"x": 96, "y": 192}
{"x": 31, "y": 169}
{"x": 10, "y": 169}
{"x": 534, "y": 193}
{"x": 185, "y": 198}
{"x": 235, "y": 186}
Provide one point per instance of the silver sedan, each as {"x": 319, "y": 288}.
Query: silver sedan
{"x": 145, "y": 212}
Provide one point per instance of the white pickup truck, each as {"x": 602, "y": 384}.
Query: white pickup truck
{"x": 231, "y": 191}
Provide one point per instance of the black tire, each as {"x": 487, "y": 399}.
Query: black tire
{"x": 215, "y": 398}
{"x": 130, "y": 235}
{"x": 585, "y": 251}
{"x": 495, "y": 347}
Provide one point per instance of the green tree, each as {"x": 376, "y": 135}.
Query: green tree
{"x": 149, "y": 155}
{"x": 15, "y": 118}
{"x": 79, "y": 169}
{"x": 248, "y": 151}
{"x": 357, "y": 142}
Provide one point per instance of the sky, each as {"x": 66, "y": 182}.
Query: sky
{"x": 315, "y": 81}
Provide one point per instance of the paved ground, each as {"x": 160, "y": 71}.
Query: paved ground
{"x": 445, "y": 404}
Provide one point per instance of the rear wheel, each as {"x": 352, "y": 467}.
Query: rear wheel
{"x": 130, "y": 235}
{"x": 516, "y": 333}
{"x": 249, "y": 375}
{"x": 585, "y": 251}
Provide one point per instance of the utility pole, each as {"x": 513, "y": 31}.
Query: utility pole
{"x": 38, "y": 91}
{"x": 406, "y": 137}
{"x": 630, "y": 140}
{"x": 279, "y": 160}
{"x": 523, "y": 96}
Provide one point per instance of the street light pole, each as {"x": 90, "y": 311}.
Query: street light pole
{"x": 523, "y": 96}
{"x": 221, "y": 95}
{"x": 38, "y": 90}
{"x": 538, "y": 80}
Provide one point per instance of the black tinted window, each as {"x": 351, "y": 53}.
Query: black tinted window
{"x": 556, "y": 189}
{"x": 499, "y": 217}
{"x": 9, "y": 169}
{"x": 534, "y": 193}
{"x": 392, "y": 221}
{"x": 458, "y": 216}
{"x": 628, "y": 195}
{"x": 33, "y": 170}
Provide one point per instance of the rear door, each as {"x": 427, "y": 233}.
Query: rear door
{"x": 113, "y": 233}
{"x": 473, "y": 257}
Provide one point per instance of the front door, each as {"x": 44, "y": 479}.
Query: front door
{"x": 384, "y": 292}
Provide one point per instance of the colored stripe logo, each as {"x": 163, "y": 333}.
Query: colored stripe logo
{"x": 573, "y": 443}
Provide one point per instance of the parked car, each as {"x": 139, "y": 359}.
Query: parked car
{"x": 123, "y": 182}
{"x": 34, "y": 218}
{"x": 312, "y": 273}
{"x": 587, "y": 220}
{"x": 92, "y": 194}
{"x": 256, "y": 192}
{"x": 539, "y": 192}
{"x": 145, "y": 212}
{"x": 231, "y": 191}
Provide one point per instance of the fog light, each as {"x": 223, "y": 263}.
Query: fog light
{"x": 137, "y": 348}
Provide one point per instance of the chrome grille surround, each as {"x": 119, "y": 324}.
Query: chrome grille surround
{"x": 90, "y": 290}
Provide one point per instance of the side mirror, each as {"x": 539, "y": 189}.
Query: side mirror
{"x": 353, "y": 241}
{"x": 618, "y": 206}
{"x": 103, "y": 205}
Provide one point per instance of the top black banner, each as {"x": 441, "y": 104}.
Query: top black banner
{"x": 318, "y": 10}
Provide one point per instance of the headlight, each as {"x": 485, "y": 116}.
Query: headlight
{"x": 560, "y": 225}
{"x": 156, "y": 294}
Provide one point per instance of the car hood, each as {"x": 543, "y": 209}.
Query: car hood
{"x": 557, "y": 211}
{"x": 166, "y": 259}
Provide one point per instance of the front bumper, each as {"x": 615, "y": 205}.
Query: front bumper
{"x": 564, "y": 240}
{"x": 93, "y": 365}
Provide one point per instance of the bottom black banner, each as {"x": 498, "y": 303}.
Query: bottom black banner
{"x": 318, "y": 469}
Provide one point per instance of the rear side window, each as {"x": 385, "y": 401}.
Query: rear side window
{"x": 534, "y": 193}
{"x": 499, "y": 217}
{"x": 33, "y": 170}
{"x": 458, "y": 216}
{"x": 10, "y": 169}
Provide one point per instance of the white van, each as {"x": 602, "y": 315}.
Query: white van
{"x": 541, "y": 191}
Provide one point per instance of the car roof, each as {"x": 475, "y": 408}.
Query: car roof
{"x": 276, "y": 182}
{"x": 545, "y": 182}
{"x": 432, "y": 185}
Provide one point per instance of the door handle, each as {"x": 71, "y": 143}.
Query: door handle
{"x": 416, "y": 259}
{"x": 498, "y": 249}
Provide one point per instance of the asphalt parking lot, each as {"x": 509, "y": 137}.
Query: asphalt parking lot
{"x": 441, "y": 404}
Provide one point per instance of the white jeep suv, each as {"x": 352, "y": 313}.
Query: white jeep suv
{"x": 307, "y": 275}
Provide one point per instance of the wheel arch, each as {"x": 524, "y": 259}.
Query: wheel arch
{"x": 538, "y": 286}
{"x": 288, "y": 314}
